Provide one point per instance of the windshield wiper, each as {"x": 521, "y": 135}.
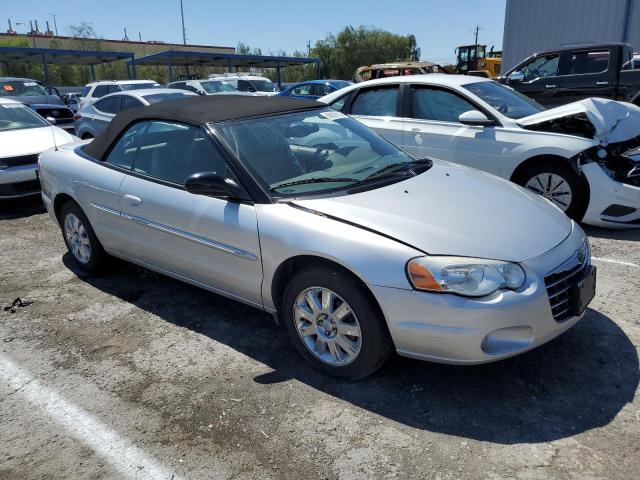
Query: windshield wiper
{"x": 315, "y": 180}
{"x": 397, "y": 167}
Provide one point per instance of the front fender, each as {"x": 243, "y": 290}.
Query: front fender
{"x": 287, "y": 232}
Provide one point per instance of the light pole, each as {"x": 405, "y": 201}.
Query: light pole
{"x": 55, "y": 24}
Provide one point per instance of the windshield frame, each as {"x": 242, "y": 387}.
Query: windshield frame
{"x": 516, "y": 94}
{"x": 33, "y": 114}
{"x": 24, "y": 84}
{"x": 260, "y": 191}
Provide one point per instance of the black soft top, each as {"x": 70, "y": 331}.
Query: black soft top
{"x": 198, "y": 111}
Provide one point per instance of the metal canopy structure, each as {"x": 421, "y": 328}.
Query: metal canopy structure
{"x": 48, "y": 56}
{"x": 172, "y": 58}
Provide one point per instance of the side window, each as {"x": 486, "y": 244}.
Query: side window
{"x": 109, "y": 105}
{"x": 100, "y": 91}
{"x": 302, "y": 89}
{"x": 545, "y": 66}
{"x": 381, "y": 101}
{"x": 172, "y": 151}
{"x": 437, "y": 104}
{"x": 595, "y": 61}
{"x": 340, "y": 103}
{"x": 124, "y": 151}
{"x": 322, "y": 90}
{"x": 191, "y": 88}
{"x": 114, "y": 88}
{"x": 129, "y": 102}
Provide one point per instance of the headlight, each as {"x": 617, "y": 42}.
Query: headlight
{"x": 473, "y": 277}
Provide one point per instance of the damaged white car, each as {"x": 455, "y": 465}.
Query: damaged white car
{"x": 584, "y": 157}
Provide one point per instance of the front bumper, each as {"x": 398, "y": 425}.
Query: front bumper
{"x": 457, "y": 330}
{"x": 605, "y": 192}
{"x": 19, "y": 181}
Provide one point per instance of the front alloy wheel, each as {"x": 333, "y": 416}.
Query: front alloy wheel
{"x": 334, "y": 322}
{"x": 327, "y": 326}
{"x": 552, "y": 187}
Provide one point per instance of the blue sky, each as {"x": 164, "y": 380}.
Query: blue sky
{"x": 439, "y": 25}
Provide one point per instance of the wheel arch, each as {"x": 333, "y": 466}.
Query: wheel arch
{"x": 294, "y": 264}
{"x": 59, "y": 200}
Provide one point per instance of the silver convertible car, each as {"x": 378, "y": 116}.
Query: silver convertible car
{"x": 356, "y": 247}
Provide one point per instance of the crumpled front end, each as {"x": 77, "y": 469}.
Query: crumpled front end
{"x": 613, "y": 173}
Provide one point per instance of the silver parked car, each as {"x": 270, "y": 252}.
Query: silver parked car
{"x": 94, "y": 118}
{"x": 294, "y": 208}
{"x": 208, "y": 87}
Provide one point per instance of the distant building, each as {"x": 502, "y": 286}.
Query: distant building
{"x": 139, "y": 48}
{"x": 531, "y": 26}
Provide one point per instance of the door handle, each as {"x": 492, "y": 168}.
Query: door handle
{"x": 133, "y": 200}
{"x": 602, "y": 83}
{"x": 550, "y": 86}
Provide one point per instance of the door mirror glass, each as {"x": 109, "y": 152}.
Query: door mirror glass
{"x": 516, "y": 76}
{"x": 212, "y": 185}
{"x": 475, "y": 117}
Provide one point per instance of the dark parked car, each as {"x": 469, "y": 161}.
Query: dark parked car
{"x": 569, "y": 74}
{"x": 40, "y": 99}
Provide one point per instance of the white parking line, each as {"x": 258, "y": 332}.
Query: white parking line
{"x": 618, "y": 262}
{"x": 130, "y": 461}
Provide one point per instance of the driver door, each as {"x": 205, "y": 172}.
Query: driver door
{"x": 540, "y": 79}
{"x": 212, "y": 242}
{"x": 432, "y": 130}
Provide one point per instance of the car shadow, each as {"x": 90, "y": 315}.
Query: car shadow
{"x": 578, "y": 382}
{"x": 21, "y": 207}
{"x": 598, "y": 232}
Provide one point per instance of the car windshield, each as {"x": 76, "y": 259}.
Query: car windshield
{"x": 21, "y": 88}
{"x": 312, "y": 152}
{"x": 15, "y": 116}
{"x": 262, "y": 85}
{"x": 139, "y": 86}
{"x": 506, "y": 100}
{"x": 165, "y": 97}
{"x": 213, "y": 86}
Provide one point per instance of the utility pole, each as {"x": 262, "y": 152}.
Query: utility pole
{"x": 55, "y": 24}
{"x": 184, "y": 32}
{"x": 308, "y": 48}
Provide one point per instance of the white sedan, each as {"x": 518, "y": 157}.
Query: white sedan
{"x": 584, "y": 157}
{"x": 23, "y": 136}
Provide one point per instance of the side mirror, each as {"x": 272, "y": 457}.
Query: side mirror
{"x": 516, "y": 76}
{"x": 475, "y": 118}
{"x": 51, "y": 120}
{"x": 212, "y": 185}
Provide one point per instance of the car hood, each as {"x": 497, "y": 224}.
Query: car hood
{"x": 606, "y": 121}
{"x": 28, "y": 141}
{"x": 454, "y": 210}
{"x": 39, "y": 100}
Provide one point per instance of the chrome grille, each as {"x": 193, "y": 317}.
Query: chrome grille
{"x": 560, "y": 281}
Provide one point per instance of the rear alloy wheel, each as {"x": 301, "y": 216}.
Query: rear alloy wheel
{"x": 81, "y": 241}
{"x": 559, "y": 183}
{"x": 334, "y": 324}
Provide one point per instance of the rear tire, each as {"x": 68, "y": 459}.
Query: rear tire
{"x": 558, "y": 182}
{"x": 334, "y": 325}
{"x": 87, "y": 136}
{"x": 80, "y": 239}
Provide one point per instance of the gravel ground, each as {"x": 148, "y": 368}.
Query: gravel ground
{"x": 135, "y": 375}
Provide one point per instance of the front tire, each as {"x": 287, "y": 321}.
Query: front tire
{"x": 559, "y": 183}
{"x": 334, "y": 325}
{"x": 80, "y": 239}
